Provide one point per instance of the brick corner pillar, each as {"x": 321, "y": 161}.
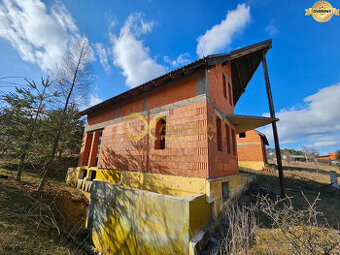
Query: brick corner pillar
{"x": 85, "y": 149}
{"x": 94, "y": 149}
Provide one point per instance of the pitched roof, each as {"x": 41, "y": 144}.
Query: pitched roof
{"x": 263, "y": 137}
{"x": 243, "y": 61}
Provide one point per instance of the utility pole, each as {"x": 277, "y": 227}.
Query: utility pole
{"x": 272, "y": 116}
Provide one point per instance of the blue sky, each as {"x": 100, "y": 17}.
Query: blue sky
{"x": 135, "y": 41}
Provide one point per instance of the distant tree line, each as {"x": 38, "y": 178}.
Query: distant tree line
{"x": 306, "y": 154}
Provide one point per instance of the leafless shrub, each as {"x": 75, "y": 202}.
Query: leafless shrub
{"x": 297, "y": 231}
{"x": 240, "y": 232}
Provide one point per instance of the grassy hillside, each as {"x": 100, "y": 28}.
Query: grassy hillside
{"x": 30, "y": 227}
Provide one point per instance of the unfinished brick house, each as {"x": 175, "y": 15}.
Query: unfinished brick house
{"x": 164, "y": 155}
{"x": 332, "y": 157}
{"x": 251, "y": 150}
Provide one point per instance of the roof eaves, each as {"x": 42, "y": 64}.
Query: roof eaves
{"x": 209, "y": 61}
{"x": 148, "y": 85}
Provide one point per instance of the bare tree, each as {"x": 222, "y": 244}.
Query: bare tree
{"x": 73, "y": 77}
{"x": 310, "y": 152}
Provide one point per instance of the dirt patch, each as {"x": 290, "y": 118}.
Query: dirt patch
{"x": 22, "y": 226}
{"x": 70, "y": 209}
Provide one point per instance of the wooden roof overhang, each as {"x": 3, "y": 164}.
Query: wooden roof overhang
{"x": 243, "y": 123}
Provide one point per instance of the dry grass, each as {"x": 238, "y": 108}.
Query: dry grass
{"x": 308, "y": 176}
{"x": 311, "y": 184}
{"x": 295, "y": 231}
{"x": 33, "y": 226}
{"x": 274, "y": 241}
{"x": 312, "y": 166}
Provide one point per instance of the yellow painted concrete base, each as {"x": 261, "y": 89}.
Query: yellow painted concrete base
{"x": 144, "y": 213}
{"x": 173, "y": 185}
{"x": 237, "y": 184}
{"x": 132, "y": 221}
{"x": 255, "y": 165}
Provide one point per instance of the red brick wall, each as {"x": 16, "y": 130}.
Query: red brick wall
{"x": 131, "y": 107}
{"x": 185, "y": 150}
{"x": 216, "y": 88}
{"x": 222, "y": 163}
{"x": 103, "y": 116}
{"x": 187, "y": 140}
{"x": 251, "y": 151}
{"x": 182, "y": 90}
{"x": 85, "y": 149}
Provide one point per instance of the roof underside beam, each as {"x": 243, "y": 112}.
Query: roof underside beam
{"x": 242, "y": 70}
{"x": 243, "y": 123}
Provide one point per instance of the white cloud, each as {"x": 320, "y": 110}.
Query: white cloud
{"x": 103, "y": 56}
{"x": 131, "y": 55}
{"x": 40, "y": 36}
{"x": 271, "y": 29}
{"x": 325, "y": 143}
{"x": 220, "y": 36}
{"x": 317, "y": 123}
{"x": 86, "y": 102}
{"x": 179, "y": 61}
{"x": 94, "y": 99}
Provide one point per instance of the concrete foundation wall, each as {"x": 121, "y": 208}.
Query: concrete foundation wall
{"x": 145, "y": 213}
{"x": 237, "y": 184}
{"x": 133, "y": 221}
{"x": 177, "y": 186}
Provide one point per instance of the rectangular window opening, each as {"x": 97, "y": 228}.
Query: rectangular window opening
{"x": 227, "y": 131}
{"x": 88, "y": 143}
{"x": 83, "y": 173}
{"x": 160, "y": 133}
{"x": 225, "y": 191}
{"x": 92, "y": 175}
{"x": 98, "y": 148}
{"x": 233, "y": 136}
{"x": 224, "y": 86}
{"x": 219, "y": 134}
{"x": 230, "y": 94}
{"x": 242, "y": 135}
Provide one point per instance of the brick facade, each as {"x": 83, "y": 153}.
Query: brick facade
{"x": 190, "y": 140}
{"x": 251, "y": 147}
